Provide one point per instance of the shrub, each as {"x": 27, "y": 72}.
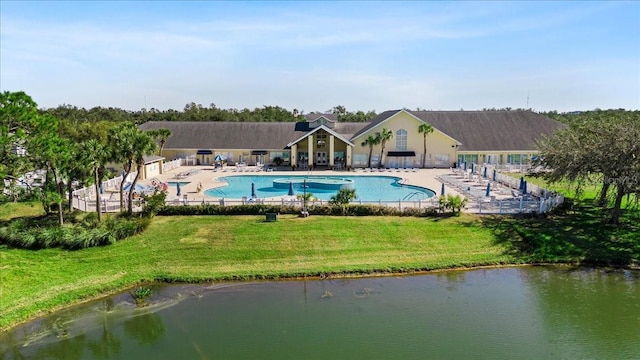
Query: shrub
{"x": 258, "y": 209}
{"x": 153, "y": 203}
{"x": 343, "y": 197}
{"x": 30, "y": 234}
{"x": 455, "y": 203}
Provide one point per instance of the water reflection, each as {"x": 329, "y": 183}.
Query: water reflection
{"x": 591, "y": 308}
{"x": 108, "y": 345}
{"x": 494, "y": 313}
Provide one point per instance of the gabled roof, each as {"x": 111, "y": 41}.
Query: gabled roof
{"x": 315, "y": 116}
{"x": 475, "y": 130}
{"x": 226, "y": 135}
{"x": 375, "y": 122}
{"x": 492, "y": 130}
{"x": 483, "y": 130}
{"x": 241, "y": 135}
{"x": 316, "y": 129}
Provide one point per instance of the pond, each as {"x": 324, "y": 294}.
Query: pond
{"x": 507, "y": 313}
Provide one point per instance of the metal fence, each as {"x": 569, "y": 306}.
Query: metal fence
{"x": 472, "y": 184}
{"x": 515, "y": 206}
{"x": 400, "y": 205}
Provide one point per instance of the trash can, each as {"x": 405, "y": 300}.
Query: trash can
{"x": 271, "y": 217}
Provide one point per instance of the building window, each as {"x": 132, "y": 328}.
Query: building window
{"x": 517, "y": 159}
{"x": 360, "y": 160}
{"x": 276, "y": 154}
{"x": 442, "y": 160}
{"x": 321, "y": 140}
{"x": 401, "y": 140}
{"x": 468, "y": 158}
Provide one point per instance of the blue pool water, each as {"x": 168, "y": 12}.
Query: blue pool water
{"x": 175, "y": 183}
{"x": 368, "y": 188}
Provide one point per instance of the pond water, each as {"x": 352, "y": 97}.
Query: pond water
{"x": 509, "y": 313}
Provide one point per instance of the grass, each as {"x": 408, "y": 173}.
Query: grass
{"x": 215, "y": 248}
{"x": 207, "y": 248}
{"x": 13, "y": 210}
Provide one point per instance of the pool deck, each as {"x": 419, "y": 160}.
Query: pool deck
{"x": 206, "y": 176}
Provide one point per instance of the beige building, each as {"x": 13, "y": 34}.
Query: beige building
{"x": 320, "y": 141}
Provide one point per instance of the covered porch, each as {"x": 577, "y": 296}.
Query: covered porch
{"x": 320, "y": 148}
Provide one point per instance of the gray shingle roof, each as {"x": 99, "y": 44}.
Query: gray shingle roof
{"x": 476, "y": 130}
{"x": 485, "y": 130}
{"x": 237, "y": 135}
{"x": 315, "y": 116}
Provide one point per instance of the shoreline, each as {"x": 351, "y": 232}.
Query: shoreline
{"x": 293, "y": 277}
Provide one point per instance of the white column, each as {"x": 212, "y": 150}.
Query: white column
{"x": 347, "y": 161}
{"x": 331, "y": 151}
{"x": 310, "y": 150}
{"x": 294, "y": 155}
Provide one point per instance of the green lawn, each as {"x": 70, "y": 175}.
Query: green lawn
{"x": 213, "y": 248}
{"x": 204, "y": 248}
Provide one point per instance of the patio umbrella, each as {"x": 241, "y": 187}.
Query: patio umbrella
{"x": 465, "y": 166}
{"x": 473, "y": 168}
{"x": 442, "y": 190}
{"x": 521, "y": 183}
{"x": 101, "y": 188}
{"x": 178, "y": 188}
{"x": 291, "y": 192}
{"x": 495, "y": 174}
{"x": 488, "y": 193}
{"x": 253, "y": 190}
{"x": 220, "y": 158}
{"x": 524, "y": 187}
{"x": 484, "y": 172}
{"x": 138, "y": 187}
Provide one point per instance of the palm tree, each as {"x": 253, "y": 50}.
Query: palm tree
{"x": 122, "y": 142}
{"x": 383, "y": 137}
{"x": 425, "y": 129}
{"x": 94, "y": 155}
{"x": 143, "y": 145}
{"x": 161, "y": 135}
{"x": 370, "y": 141}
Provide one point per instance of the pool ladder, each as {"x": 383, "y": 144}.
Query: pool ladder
{"x": 410, "y": 195}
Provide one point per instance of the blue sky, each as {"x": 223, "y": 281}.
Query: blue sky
{"x": 311, "y": 56}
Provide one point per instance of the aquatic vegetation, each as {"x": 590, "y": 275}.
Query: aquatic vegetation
{"x": 140, "y": 295}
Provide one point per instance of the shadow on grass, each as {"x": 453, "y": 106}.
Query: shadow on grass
{"x": 582, "y": 236}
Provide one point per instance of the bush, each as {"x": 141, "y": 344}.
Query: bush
{"x": 28, "y": 234}
{"x": 258, "y": 209}
{"x": 153, "y": 203}
{"x": 343, "y": 197}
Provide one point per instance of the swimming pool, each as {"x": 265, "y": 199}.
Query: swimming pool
{"x": 368, "y": 188}
{"x": 175, "y": 183}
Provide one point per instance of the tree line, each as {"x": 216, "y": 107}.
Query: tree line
{"x": 196, "y": 112}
